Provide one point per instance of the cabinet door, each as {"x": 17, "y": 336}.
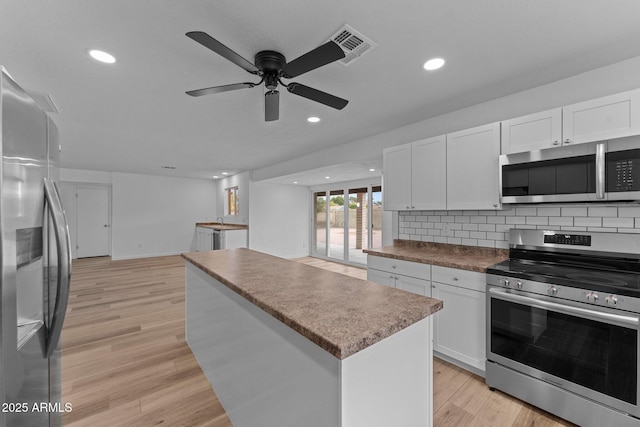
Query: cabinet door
{"x": 396, "y": 178}
{"x": 603, "y": 118}
{"x": 234, "y": 239}
{"x": 532, "y": 132}
{"x": 381, "y": 277}
{"x": 429, "y": 173}
{"x": 411, "y": 284}
{"x": 473, "y": 168}
{"x": 459, "y": 329}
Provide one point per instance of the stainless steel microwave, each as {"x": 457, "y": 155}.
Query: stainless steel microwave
{"x": 595, "y": 171}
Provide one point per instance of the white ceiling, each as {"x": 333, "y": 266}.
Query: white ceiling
{"x": 134, "y": 116}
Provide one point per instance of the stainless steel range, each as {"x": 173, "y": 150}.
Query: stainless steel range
{"x": 563, "y": 320}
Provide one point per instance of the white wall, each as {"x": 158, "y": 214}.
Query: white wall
{"x": 156, "y": 215}
{"x": 279, "y": 219}
{"x": 152, "y": 215}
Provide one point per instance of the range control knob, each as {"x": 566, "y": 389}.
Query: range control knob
{"x": 592, "y": 297}
{"x": 505, "y": 282}
{"x": 552, "y": 290}
{"x": 519, "y": 284}
{"x": 611, "y": 300}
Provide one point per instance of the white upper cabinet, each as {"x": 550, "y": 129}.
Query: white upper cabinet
{"x": 429, "y": 173}
{"x": 396, "y": 179}
{"x": 532, "y": 132}
{"x": 603, "y": 118}
{"x": 473, "y": 168}
{"x": 415, "y": 175}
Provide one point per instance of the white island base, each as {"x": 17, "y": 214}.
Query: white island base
{"x": 268, "y": 375}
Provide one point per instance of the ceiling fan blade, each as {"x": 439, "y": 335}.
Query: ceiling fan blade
{"x": 218, "y": 89}
{"x": 207, "y": 41}
{"x": 271, "y": 106}
{"x": 323, "y": 55}
{"x": 317, "y": 95}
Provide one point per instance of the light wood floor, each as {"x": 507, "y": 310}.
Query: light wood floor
{"x": 125, "y": 361}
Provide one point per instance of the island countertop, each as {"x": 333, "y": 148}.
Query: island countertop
{"x": 340, "y": 314}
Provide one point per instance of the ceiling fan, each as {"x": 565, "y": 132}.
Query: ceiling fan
{"x": 272, "y": 67}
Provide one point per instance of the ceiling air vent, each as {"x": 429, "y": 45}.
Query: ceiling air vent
{"x": 353, "y": 43}
{"x": 44, "y": 101}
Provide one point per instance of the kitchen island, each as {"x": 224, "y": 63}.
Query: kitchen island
{"x": 287, "y": 344}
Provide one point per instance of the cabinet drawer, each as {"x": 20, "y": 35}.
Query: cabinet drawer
{"x": 462, "y": 278}
{"x": 406, "y": 268}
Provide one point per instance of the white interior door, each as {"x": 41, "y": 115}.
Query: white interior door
{"x": 93, "y": 224}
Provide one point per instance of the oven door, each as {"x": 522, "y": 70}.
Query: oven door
{"x": 589, "y": 350}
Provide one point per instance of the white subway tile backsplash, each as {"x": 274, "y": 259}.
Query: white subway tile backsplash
{"x": 581, "y": 211}
{"x": 496, "y": 219}
{"x": 618, "y": 222}
{"x": 537, "y": 220}
{"x": 516, "y": 220}
{"x": 479, "y": 219}
{"x": 561, "y": 220}
{"x": 603, "y": 211}
{"x": 526, "y": 211}
{"x": 555, "y": 211}
{"x": 461, "y": 233}
{"x": 628, "y": 211}
{"x": 491, "y": 228}
{"x": 587, "y": 222}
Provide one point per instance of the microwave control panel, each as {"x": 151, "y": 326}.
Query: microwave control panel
{"x": 623, "y": 171}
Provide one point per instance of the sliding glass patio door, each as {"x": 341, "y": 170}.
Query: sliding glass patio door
{"x": 346, "y": 221}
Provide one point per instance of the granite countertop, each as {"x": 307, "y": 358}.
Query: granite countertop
{"x": 455, "y": 256}
{"x": 220, "y": 226}
{"x": 339, "y": 313}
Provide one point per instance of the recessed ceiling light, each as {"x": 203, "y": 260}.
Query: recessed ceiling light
{"x": 372, "y": 170}
{"x": 295, "y": 182}
{"x": 313, "y": 119}
{"x": 433, "y": 64}
{"x": 225, "y": 173}
{"x": 326, "y": 177}
{"x": 216, "y": 176}
{"x": 102, "y": 56}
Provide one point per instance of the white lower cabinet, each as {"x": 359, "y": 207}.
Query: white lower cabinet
{"x": 459, "y": 330}
{"x": 409, "y": 276}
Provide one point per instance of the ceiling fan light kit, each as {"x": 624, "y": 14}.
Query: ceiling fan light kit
{"x": 272, "y": 67}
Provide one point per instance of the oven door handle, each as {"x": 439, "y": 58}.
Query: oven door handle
{"x": 566, "y": 309}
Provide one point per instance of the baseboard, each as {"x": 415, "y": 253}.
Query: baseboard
{"x": 149, "y": 255}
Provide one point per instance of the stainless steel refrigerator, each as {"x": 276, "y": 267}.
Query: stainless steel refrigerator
{"x": 35, "y": 263}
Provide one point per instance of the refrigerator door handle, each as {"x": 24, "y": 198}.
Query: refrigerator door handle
{"x": 63, "y": 243}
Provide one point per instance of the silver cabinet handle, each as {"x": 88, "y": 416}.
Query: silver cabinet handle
{"x": 63, "y": 243}
{"x": 567, "y": 141}
{"x": 556, "y": 142}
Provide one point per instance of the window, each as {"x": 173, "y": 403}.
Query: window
{"x": 232, "y": 201}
